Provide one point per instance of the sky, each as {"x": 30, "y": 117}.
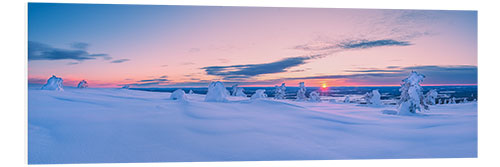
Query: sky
{"x": 191, "y": 46}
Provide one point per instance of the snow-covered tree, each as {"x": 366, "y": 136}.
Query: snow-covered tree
{"x": 465, "y": 100}
{"x": 372, "y": 97}
{"x": 234, "y": 89}
{"x": 82, "y": 84}
{"x": 240, "y": 92}
{"x": 126, "y": 86}
{"x": 412, "y": 98}
{"x": 375, "y": 99}
{"x": 314, "y": 97}
{"x": 178, "y": 94}
{"x": 217, "y": 92}
{"x": 347, "y": 99}
{"x": 280, "y": 91}
{"x": 453, "y": 101}
{"x": 54, "y": 83}
{"x": 440, "y": 101}
{"x": 191, "y": 91}
{"x": 259, "y": 94}
{"x": 430, "y": 97}
{"x": 301, "y": 93}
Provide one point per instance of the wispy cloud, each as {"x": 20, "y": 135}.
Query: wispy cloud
{"x": 350, "y": 44}
{"x": 364, "y": 44}
{"x": 120, "y": 61}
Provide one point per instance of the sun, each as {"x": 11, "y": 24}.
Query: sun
{"x": 323, "y": 85}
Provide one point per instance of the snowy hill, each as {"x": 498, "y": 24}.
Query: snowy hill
{"x": 97, "y": 125}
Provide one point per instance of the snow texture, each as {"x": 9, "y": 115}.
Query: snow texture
{"x": 83, "y": 84}
{"x": 217, "y": 92}
{"x": 178, "y": 94}
{"x": 53, "y": 83}
{"x": 104, "y": 125}
{"x": 259, "y": 94}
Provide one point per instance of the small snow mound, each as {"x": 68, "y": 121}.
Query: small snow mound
{"x": 259, "y": 94}
{"x": 314, "y": 97}
{"x": 216, "y": 92}
{"x": 178, "y": 94}
{"x": 240, "y": 92}
{"x": 83, "y": 84}
{"x": 54, "y": 83}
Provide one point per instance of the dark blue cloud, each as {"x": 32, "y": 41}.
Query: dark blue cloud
{"x": 40, "y": 51}
{"x": 364, "y": 44}
{"x": 458, "y": 74}
{"x": 252, "y": 70}
{"x": 120, "y": 61}
{"x": 153, "y": 80}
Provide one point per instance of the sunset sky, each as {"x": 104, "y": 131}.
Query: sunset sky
{"x": 184, "y": 46}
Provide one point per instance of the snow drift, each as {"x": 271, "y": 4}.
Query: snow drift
{"x": 178, "y": 94}
{"x": 103, "y": 125}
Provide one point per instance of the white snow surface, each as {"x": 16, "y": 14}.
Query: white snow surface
{"x": 101, "y": 125}
{"x": 53, "y": 83}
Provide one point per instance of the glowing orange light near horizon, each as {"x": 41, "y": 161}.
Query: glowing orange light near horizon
{"x": 323, "y": 85}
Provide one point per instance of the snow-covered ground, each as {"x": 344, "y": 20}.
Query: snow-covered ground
{"x": 97, "y": 125}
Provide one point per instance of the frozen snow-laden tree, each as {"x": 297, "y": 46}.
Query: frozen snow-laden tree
{"x": 372, "y": 97}
{"x": 126, "y": 86}
{"x": 314, "y": 97}
{"x": 412, "y": 98}
{"x": 178, "y": 94}
{"x": 347, "y": 99}
{"x": 259, "y": 94}
{"x": 280, "y": 91}
{"x": 368, "y": 97}
{"x": 234, "y": 89}
{"x": 375, "y": 98}
{"x": 301, "y": 93}
{"x": 240, "y": 92}
{"x": 465, "y": 100}
{"x": 453, "y": 101}
{"x": 217, "y": 92}
{"x": 54, "y": 83}
{"x": 440, "y": 101}
{"x": 430, "y": 97}
{"x": 191, "y": 91}
{"x": 83, "y": 84}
